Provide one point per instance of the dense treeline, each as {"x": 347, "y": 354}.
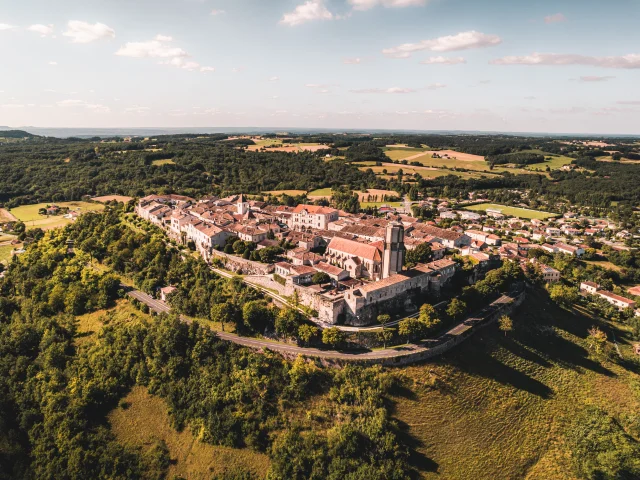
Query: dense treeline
{"x": 55, "y": 392}
{"x": 56, "y": 170}
{"x": 521, "y": 158}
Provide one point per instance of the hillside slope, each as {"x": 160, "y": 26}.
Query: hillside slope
{"x": 501, "y": 407}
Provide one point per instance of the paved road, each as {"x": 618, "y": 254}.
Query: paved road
{"x": 373, "y": 355}
{"x": 157, "y": 306}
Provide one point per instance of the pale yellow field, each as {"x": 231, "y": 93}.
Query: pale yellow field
{"x": 110, "y": 198}
{"x": 146, "y": 421}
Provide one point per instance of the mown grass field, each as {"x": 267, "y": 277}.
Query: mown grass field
{"x": 159, "y": 163}
{"x": 5, "y": 253}
{"x": 501, "y": 405}
{"x": 380, "y": 204}
{"x": 32, "y": 219}
{"x": 512, "y": 211}
{"x": 145, "y": 421}
{"x": 321, "y": 192}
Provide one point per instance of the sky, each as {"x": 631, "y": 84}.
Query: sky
{"x": 501, "y": 65}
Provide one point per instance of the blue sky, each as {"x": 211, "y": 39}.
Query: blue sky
{"x": 551, "y": 66}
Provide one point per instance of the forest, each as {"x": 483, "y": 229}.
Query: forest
{"x": 55, "y": 391}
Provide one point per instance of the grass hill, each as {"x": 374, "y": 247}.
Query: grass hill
{"x": 15, "y": 134}
{"x": 503, "y": 407}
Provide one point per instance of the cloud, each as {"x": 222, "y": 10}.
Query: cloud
{"x": 567, "y": 111}
{"x": 595, "y": 78}
{"x": 461, "y": 41}
{"x": 555, "y": 18}
{"x": 392, "y": 90}
{"x": 43, "y": 30}
{"x": 307, "y": 12}
{"x": 83, "y": 32}
{"x": 137, "y": 109}
{"x": 274, "y": 79}
{"x": 70, "y": 103}
{"x": 217, "y": 12}
{"x": 443, "y": 61}
{"x": 6, "y": 26}
{"x": 161, "y": 47}
{"x": 352, "y": 61}
{"x": 157, "y": 48}
{"x": 530, "y": 97}
{"x": 368, "y": 4}
{"x": 629, "y": 61}
{"x": 52, "y": 63}
{"x": 628, "y": 102}
{"x": 435, "y": 86}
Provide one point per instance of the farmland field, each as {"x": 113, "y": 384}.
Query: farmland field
{"x": 32, "y": 219}
{"x": 145, "y": 421}
{"x": 425, "y": 172}
{"x": 5, "y": 253}
{"x": 166, "y": 161}
{"x": 321, "y": 192}
{"x": 512, "y": 211}
{"x": 110, "y": 198}
{"x": 380, "y": 204}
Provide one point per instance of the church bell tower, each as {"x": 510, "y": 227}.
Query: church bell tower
{"x": 394, "y": 250}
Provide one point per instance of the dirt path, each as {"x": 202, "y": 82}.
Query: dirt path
{"x": 7, "y": 216}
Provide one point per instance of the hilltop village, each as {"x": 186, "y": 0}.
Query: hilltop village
{"x": 348, "y": 268}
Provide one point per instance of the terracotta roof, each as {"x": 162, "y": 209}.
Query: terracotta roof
{"x": 357, "y": 249}
{"x": 330, "y": 269}
{"x": 315, "y": 209}
{"x": 438, "y": 232}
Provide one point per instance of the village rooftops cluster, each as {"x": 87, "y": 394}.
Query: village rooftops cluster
{"x": 363, "y": 256}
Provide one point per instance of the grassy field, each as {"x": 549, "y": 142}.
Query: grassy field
{"x": 512, "y": 211}
{"x": 166, "y": 161}
{"x": 109, "y": 198}
{"x": 30, "y": 216}
{"x": 500, "y": 405}
{"x": 425, "y": 172}
{"x": 604, "y": 264}
{"x": 145, "y": 421}
{"x": 380, "y": 204}
{"x": 5, "y": 253}
{"x": 321, "y": 192}
{"x": 90, "y": 324}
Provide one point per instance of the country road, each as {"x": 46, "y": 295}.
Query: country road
{"x": 391, "y": 355}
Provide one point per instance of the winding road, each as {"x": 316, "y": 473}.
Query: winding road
{"x": 404, "y": 354}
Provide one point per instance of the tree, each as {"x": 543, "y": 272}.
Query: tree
{"x": 384, "y": 319}
{"x": 429, "y": 316}
{"x": 563, "y": 295}
{"x": 385, "y": 335}
{"x": 257, "y": 315}
{"x": 597, "y": 339}
{"x": 19, "y": 227}
{"x": 269, "y": 254}
{"x": 223, "y": 313}
{"x": 456, "y": 308}
{"x": 421, "y": 254}
{"x": 411, "y": 328}
{"x": 306, "y": 333}
{"x": 333, "y": 337}
{"x": 287, "y": 322}
{"x": 320, "y": 278}
{"x": 505, "y": 324}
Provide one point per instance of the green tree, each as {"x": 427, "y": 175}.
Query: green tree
{"x": 223, "y": 313}
{"x": 505, "y": 324}
{"x": 456, "y": 308}
{"x": 257, "y": 315}
{"x": 287, "y": 322}
{"x": 306, "y": 333}
{"x": 385, "y": 335}
{"x": 333, "y": 337}
{"x": 420, "y": 254}
{"x": 320, "y": 278}
{"x": 411, "y": 328}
